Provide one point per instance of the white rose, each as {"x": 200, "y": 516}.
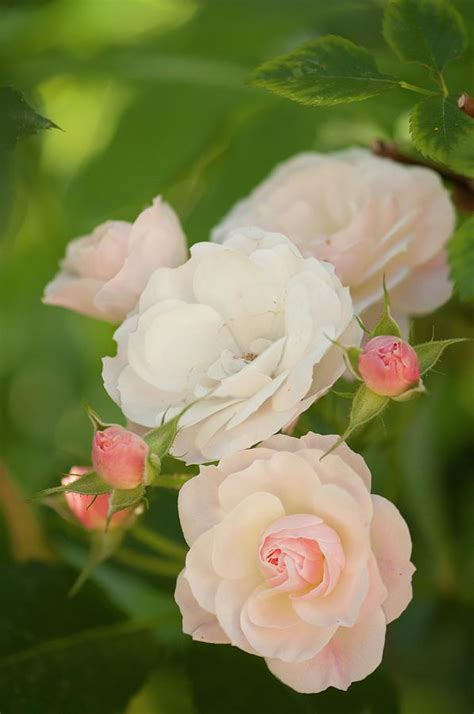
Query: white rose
{"x": 245, "y": 329}
{"x": 367, "y": 216}
{"x": 104, "y": 273}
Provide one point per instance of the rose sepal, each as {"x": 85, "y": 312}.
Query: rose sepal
{"x": 90, "y": 484}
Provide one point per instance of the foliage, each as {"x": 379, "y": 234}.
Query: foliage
{"x": 332, "y": 70}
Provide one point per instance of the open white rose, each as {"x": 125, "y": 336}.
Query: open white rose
{"x": 104, "y": 273}
{"x": 244, "y": 330}
{"x": 292, "y": 559}
{"x": 366, "y": 215}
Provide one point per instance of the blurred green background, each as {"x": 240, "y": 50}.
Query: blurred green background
{"x": 151, "y": 98}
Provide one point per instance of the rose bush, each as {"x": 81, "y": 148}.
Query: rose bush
{"x": 367, "y": 216}
{"x": 292, "y": 559}
{"x": 104, "y": 273}
{"x": 244, "y": 330}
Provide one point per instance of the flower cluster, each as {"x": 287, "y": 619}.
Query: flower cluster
{"x": 290, "y": 556}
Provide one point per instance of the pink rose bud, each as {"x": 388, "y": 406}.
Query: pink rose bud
{"x": 119, "y": 457}
{"x": 389, "y": 366}
{"x": 91, "y": 512}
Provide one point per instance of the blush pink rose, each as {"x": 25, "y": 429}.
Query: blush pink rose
{"x": 292, "y": 559}
{"x": 389, "y": 366}
{"x": 89, "y": 511}
{"x": 119, "y": 457}
{"x": 369, "y": 217}
{"x": 103, "y": 274}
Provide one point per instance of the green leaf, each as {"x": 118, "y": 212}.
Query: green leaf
{"x": 430, "y": 352}
{"x": 440, "y": 130}
{"x": 430, "y": 32}
{"x": 352, "y": 355}
{"x": 461, "y": 259}
{"x": 329, "y": 70}
{"x": 88, "y": 485}
{"x": 122, "y": 499}
{"x": 18, "y": 119}
{"x": 366, "y": 406}
{"x": 386, "y": 325}
{"x": 59, "y": 656}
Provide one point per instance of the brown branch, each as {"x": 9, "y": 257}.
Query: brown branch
{"x": 463, "y": 195}
{"x": 466, "y": 104}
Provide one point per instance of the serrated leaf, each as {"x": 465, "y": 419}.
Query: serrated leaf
{"x": 461, "y": 259}
{"x": 329, "y": 70}
{"x": 430, "y": 352}
{"x": 430, "y": 32}
{"x": 122, "y": 499}
{"x": 386, "y": 325}
{"x": 18, "y": 119}
{"x": 88, "y": 485}
{"x": 440, "y": 130}
{"x": 366, "y": 406}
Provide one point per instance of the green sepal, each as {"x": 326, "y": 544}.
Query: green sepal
{"x": 103, "y": 545}
{"x": 97, "y": 422}
{"x": 430, "y": 352}
{"x": 386, "y": 325}
{"x": 366, "y": 406}
{"x": 411, "y": 393}
{"x": 351, "y": 355}
{"x": 90, "y": 484}
{"x": 124, "y": 498}
{"x": 160, "y": 440}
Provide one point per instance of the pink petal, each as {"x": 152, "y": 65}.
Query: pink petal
{"x": 352, "y": 654}
{"x": 391, "y": 544}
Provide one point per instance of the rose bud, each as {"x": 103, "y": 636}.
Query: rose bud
{"x": 119, "y": 457}
{"x": 91, "y": 511}
{"x": 389, "y": 366}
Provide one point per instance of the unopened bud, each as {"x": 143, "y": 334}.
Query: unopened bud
{"x": 119, "y": 457}
{"x": 389, "y": 366}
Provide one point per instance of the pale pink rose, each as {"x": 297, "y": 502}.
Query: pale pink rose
{"x": 366, "y": 215}
{"x": 119, "y": 457}
{"x": 292, "y": 559}
{"x": 103, "y": 274}
{"x": 389, "y": 366}
{"x": 91, "y": 511}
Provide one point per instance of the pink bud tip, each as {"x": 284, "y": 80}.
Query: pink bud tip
{"x": 389, "y": 366}
{"x": 89, "y": 511}
{"x": 119, "y": 457}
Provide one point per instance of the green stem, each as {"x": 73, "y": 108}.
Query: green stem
{"x": 158, "y": 542}
{"x": 147, "y": 564}
{"x": 172, "y": 481}
{"x": 419, "y": 90}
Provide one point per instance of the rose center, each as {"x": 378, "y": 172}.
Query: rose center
{"x": 301, "y": 554}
